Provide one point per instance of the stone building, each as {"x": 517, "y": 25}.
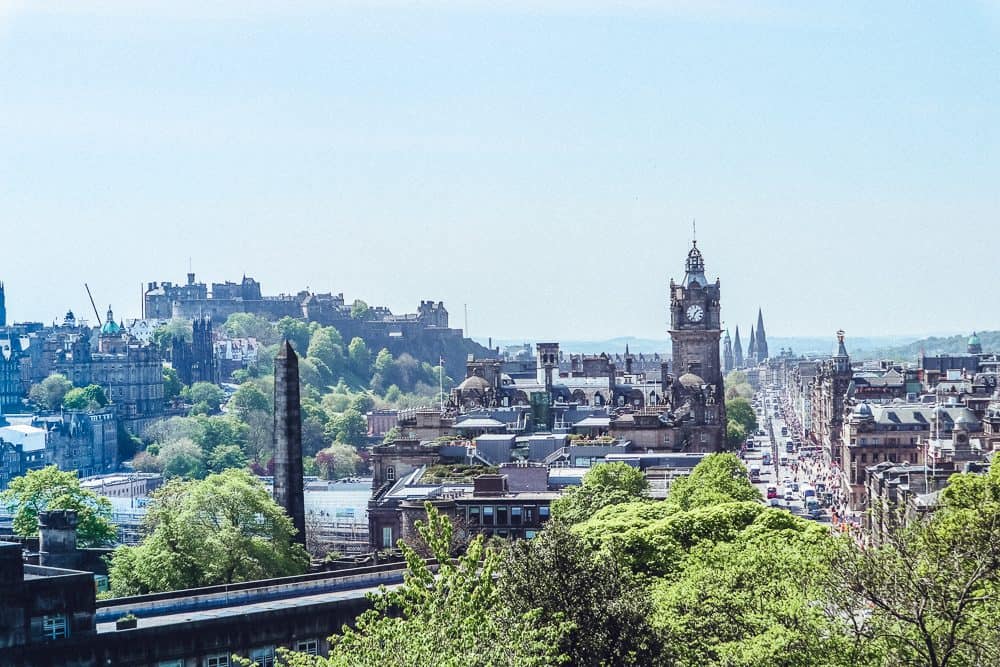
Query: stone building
{"x": 130, "y": 373}
{"x": 195, "y": 361}
{"x": 828, "y": 393}
{"x": 899, "y": 433}
{"x": 85, "y": 441}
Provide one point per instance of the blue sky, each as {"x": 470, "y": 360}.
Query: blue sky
{"x": 540, "y": 163}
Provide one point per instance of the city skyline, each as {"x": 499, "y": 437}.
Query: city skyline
{"x": 841, "y": 163}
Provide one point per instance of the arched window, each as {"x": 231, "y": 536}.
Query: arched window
{"x": 390, "y": 473}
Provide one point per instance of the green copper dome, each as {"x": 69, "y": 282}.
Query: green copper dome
{"x": 110, "y": 327}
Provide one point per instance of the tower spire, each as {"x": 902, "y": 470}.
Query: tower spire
{"x": 761, "y": 337}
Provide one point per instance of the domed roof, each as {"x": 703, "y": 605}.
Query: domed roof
{"x": 863, "y": 410}
{"x": 474, "y": 382}
{"x": 974, "y": 339}
{"x": 111, "y": 328}
{"x": 690, "y": 380}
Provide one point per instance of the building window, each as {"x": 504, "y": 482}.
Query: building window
{"x": 529, "y": 534}
{"x": 170, "y": 663}
{"x": 309, "y": 646}
{"x": 515, "y": 516}
{"x": 488, "y": 515}
{"x": 263, "y": 656}
{"x": 217, "y": 660}
{"x": 55, "y": 627}
{"x": 390, "y": 473}
{"x": 386, "y": 537}
{"x": 530, "y": 514}
{"x": 501, "y": 516}
{"x": 543, "y": 513}
{"x": 474, "y": 515}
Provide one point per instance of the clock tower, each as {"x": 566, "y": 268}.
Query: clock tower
{"x": 695, "y": 333}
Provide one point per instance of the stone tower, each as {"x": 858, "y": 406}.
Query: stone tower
{"x": 203, "y": 367}
{"x": 737, "y": 351}
{"x": 761, "y": 337}
{"x": 3, "y": 307}
{"x": 547, "y": 361}
{"x": 752, "y": 349}
{"x": 727, "y": 353}
{"x": 695, "y": 334}
{"x": 288, "y": 439}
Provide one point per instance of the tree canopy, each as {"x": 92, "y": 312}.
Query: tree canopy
{"x": 49, "y": 393}
{"x": 603, "y": 485}
{"x": 223, "y": 529}
{"x": 51, "y": 489}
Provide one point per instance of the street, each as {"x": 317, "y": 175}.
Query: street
{"x": 791, "y": 475}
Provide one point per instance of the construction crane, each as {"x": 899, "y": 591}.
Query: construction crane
{"x": 93, "y": 305}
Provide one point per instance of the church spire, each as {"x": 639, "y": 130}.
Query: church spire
{"x": 752, "y": 349}
{"x": 761, "y": 337}
{"x": 727, "y": 353}
{"x": 737, "y": 350}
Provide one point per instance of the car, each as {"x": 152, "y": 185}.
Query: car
{"x": 772, "y": 492}
{"x": 784, "y": 460}
{"x": 775, "y": 502}
{"x": 816, "y": 514}
{"x": 789, "y": 496}
{"x": 795, "y": 486}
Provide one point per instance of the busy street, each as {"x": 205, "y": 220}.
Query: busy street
{"x": 789, "y": 472}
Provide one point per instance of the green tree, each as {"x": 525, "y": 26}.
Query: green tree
{"x": 218, "y": 430}
{"x": 929, "y": 591}
{"x": 182, "y": 458}
{"x": 360, "y": 310}
{"x": 248, "y": 325}
{"x": 758, "y": 599}
{"x": 171, "y": 384}
{"x": 225, "y": 457}
{"x": 50, "y": 392}
{"x": 445, "y": 618}
{"x": 295, "y": 331}
{"x": 220, "y": 530}
{"x": 736, "y": 434}
{"x": 394, "y": 433}
{"x": 351, "y": 427}
{"x": 164, "y": 335}
{"x": 207, "y": 393}
{"x": 91, "y": 397}
{"x": 362, "y": 403}
{"x": 718, "y": 478}
{"x": 248, "y": 397}
{"x": 337, "y": 461}
{"x": 604, "y": 484}
{"x": 737, "y": 385}
{"x": 608, "y": 606}
{"x": 51, "y": 489}
{"x": 740, "y": 411}
{"x": 360, "y": 357}
{"x": 326, "y": 351}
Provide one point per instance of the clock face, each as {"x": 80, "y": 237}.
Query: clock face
{"x": 695, "y": 313}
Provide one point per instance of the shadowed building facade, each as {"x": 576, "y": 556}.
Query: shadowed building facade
{"x": 288, "y": 439}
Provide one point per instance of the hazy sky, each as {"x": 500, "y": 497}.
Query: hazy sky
{"x": 541, "y": 162}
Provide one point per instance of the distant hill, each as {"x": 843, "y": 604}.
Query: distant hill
{"x": 930, "y": 346}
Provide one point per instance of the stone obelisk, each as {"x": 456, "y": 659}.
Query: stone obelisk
{"x": 288, "y": 439}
